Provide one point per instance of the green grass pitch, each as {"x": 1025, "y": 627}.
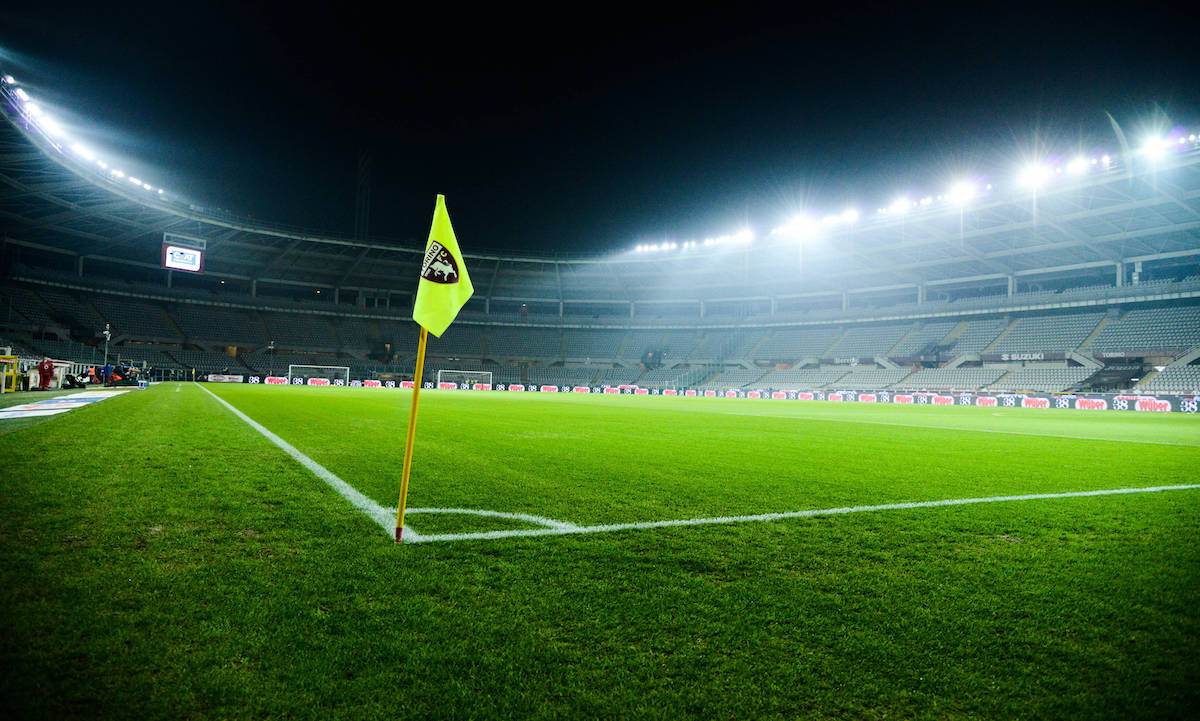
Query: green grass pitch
{"x": 163, "y": 559}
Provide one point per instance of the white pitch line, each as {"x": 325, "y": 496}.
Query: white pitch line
{"x": 386, "y": 518}
{"x": 539, "y": 520}
{"x": 491, "y": 535}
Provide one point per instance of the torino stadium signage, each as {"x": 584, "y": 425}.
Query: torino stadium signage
{"x": 1083, "y": 402}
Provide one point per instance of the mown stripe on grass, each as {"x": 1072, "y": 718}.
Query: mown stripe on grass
{"x": 923, "y": 426}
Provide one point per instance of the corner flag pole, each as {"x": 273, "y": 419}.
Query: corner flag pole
{"x": 442, "y": 288}
{"x": 412, "y": 433}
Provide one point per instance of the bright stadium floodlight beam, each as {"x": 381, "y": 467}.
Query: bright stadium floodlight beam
{"x": 850, "y": 215}
{"x": 1078, "y": 166}
{"x": 1154, "y": 148}
{"x": 961, "y": 192}
{"x": 1035, "y": 176}
{"x": 51, "y": 126}
{"x": 83, "y": 152}
{"x": 900, "y": 205}
{"x": 9, "y": 80}
{"x": 20, "y": 93}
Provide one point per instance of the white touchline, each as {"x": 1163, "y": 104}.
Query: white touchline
{"x": 487, "y": 535}
{"x": 386, "y": 517}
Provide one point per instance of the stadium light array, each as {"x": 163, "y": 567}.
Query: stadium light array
{"x": 38, "y": 117}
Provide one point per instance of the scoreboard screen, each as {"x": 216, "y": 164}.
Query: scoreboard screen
{"x": 182, "y": 253}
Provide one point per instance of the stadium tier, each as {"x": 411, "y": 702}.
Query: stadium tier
{"x": 1102, "y": 285}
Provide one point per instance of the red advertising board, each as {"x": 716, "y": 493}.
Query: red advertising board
{"x": 549, "y": 389}
{"x": 276, "y": 381}
{"x": 372, "y": 384}
{"x": 318, "y": 381}
{"x": 612, "y": 391}
{"x": 516, "y": 387}
{"x": 581, "y": 389}
{"x": 407, "y": 384}
{"x": 445, "y": 386}
{"x": 671, "y": 392}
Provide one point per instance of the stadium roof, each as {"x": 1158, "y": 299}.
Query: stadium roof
{"x": 1080, "y": 217}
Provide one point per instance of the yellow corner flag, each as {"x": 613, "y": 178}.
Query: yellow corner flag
{"x": 442, "y": 290}
{"x": 444, "y": 285}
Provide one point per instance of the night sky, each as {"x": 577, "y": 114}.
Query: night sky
{"x": 589, "y": 133}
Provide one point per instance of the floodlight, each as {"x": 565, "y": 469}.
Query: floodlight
{"x": 850, "y": 215}
{"x": 1154, "y": 148}
{"x": 9, "y": 80}
{"x": 900, "y": 205}
{"x": 1035, "y": 176}
{"x": 147, "y": 186}
{"x": 20, "y": 93}
{"x": 83, "y": 152}
{"x": 51, "y": 127}
{"x": 1106, "y": 160}
{"x": 1078, "y": 165}
{"x": 961, "y": 192}
{"x": 34, "y": 109}
{"x": 134, "y": 180}
{"x": 744, "y": 236}
{"x": 103, "y": 165}
{"x": 117, "y": 173}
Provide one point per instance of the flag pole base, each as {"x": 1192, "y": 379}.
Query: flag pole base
{"x": 398, "y": 532}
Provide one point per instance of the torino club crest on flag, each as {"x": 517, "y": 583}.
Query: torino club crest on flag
{"x": 444, "y": 285}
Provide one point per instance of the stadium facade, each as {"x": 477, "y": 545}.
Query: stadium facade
{"x": 1076, "y": 278}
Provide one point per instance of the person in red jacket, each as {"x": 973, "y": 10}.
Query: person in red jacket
{"x": 45, "y": 373}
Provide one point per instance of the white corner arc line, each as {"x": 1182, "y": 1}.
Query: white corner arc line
{"x": 536, "y": 520}
{"x": 384, "y": 517}
{"x": 609, "y": 528}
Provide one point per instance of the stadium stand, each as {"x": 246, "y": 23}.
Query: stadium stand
{"x": 871, "y": 379}
{"x": 1151, "y": 329}
{"x": 1180, "y": 379}
{"x": 1054, "y": 333}
{"x": 950, "y": 379}
{"x": 802, "y": 379}
{"x": 798, "y": 344}
{"x": 1046, "y": 380}
{"x": 921, "y": 338}
{"x": 978, "y": 335}
{"x": 868, "y": 341}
